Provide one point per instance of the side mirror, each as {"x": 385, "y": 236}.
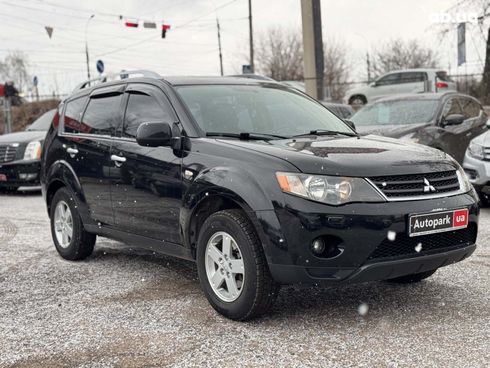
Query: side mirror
{"x": 350, "y": 123}
{"x": 155, "y": 134}
{"x": 453, "y": 119}
{"x": 373, "y": 84}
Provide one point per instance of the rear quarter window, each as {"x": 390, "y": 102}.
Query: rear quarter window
{"x": 73, "y": 115}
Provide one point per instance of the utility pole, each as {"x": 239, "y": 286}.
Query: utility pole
{"x": 313, "y": 48}
{"x": 251, "y": 35}
{"x": 7, "y": 115}
{"x": 86, "y": 46}
{"x": 219, "y": 47}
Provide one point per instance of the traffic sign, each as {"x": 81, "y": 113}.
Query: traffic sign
{"x": 100, "y": 66}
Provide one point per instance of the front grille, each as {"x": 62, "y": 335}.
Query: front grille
{"x": 7, "y": 153}
{"x": 486, "y": 153}
{"x": 403, "y": 245}
{"x": 415, "y": 185}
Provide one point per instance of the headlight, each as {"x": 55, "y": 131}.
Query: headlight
{"x": 33, "y": 151}
{"x": 463, "y": 179}
{"x": 333, "y": 190}
{"x": 475, "y": 150}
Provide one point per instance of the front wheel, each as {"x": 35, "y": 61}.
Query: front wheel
{"x": 413, "y": 278}
{"x": 70, "y": 238}
{"x": 232, "y": 268}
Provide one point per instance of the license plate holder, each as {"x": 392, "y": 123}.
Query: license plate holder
{"x": 437, "y": 222}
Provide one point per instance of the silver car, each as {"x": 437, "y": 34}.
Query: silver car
{"x": 477, "y": 165}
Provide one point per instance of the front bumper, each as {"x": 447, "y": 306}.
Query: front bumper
{"x": 21, "y": 173}
{"x": 478, "y": 172}
{"x": 361, "y": 232}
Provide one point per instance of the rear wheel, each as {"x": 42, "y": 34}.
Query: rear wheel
{"x": 70, "y": 238}
{"x": 232, "y": 267}
{"x": 413, "y": 278}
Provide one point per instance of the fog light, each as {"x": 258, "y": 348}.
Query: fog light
{"x": 318, "y": 246}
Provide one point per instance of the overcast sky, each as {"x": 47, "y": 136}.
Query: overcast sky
{"x": 191, "y": 44}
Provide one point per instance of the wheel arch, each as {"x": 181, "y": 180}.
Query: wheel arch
{"x": 209, "y": 194}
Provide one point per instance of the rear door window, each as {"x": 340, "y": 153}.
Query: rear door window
{"x": 413, "y": 77}
{"x": 73, "y": 115}
{"x": 103, "y": 115}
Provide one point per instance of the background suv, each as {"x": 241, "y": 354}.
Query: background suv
{"x": 218, "y": 171}
{"x": 401, "y": 82}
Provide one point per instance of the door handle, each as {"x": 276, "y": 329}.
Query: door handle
{"x": 118, "y": 160}
{"x": 72, "y": 151}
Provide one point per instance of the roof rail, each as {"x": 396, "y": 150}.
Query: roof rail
{"x": 124, "y": 74}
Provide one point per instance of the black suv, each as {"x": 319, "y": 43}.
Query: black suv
{"x": 255, "y": 181}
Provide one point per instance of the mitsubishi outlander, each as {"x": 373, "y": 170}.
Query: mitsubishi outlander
{"x": 256, "y": 182}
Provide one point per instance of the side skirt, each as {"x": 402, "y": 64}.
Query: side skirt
{"x": 159, "y": 246}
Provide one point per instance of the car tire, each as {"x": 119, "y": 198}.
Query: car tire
{"x": 238, "y": 296}
{"x": 72, "y": 245}
{"x": 358, "y": 100}
{"x": 413, "y": 278}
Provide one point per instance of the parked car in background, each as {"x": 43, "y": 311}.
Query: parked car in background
{"x": 256, "y": 182}
{"x": 341, "y": 110}
{"x": 477, "y": 165}
{"x": 401, "y": 82}
{"x": 20, "y": 154}
{"x": 446, "y": 121}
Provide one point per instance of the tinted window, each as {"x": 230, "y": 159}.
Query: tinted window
{"x": 141, "y": 109}
{"x": 451, "y": 107}
{"x": 73, "y": 114}
{"x": 471, "y": 109}
{"x": 413, "y": 77}
{"x": 389, "y": 79}
{"x": 396, "y": 112}
{"x": 261, "y": 109}
{"x": 43, "y": 122}
{"x": 102, "y": 115}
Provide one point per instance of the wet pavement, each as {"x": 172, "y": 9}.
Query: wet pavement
{"x": 123, "y": 307}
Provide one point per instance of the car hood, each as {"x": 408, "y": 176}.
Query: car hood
{"x": 366, "y": 157}
{"x": 23, "y": 137}
{"x": 391, "y": 130}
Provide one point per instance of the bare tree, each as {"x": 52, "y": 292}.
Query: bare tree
{"x": 400, "y": 54}
{"x": 336, "y": 71}
{"x": 279, "y": 54}
{"x": 14, "y": 68}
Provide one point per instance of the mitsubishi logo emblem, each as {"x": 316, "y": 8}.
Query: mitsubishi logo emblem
{"x": 428, "y": 187}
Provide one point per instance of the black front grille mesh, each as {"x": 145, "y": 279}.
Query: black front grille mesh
{"x": 415, "y": 185}
{"x": 403, "y": 245}
{"x": 7, "y": 153}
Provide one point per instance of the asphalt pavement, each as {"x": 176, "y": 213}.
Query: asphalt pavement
{"x": 130, "y": 308}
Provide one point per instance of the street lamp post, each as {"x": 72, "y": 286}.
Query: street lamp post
{"x": 86, "y": 46}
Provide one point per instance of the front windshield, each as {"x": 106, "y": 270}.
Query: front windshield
{"x": 396, "y": 112}
{"x": 257, "y": 109}
{"x": 43, "y": 122}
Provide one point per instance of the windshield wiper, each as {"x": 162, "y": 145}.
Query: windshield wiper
{"x": 246, "y": 136}
{"x": 325, "y": 132}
